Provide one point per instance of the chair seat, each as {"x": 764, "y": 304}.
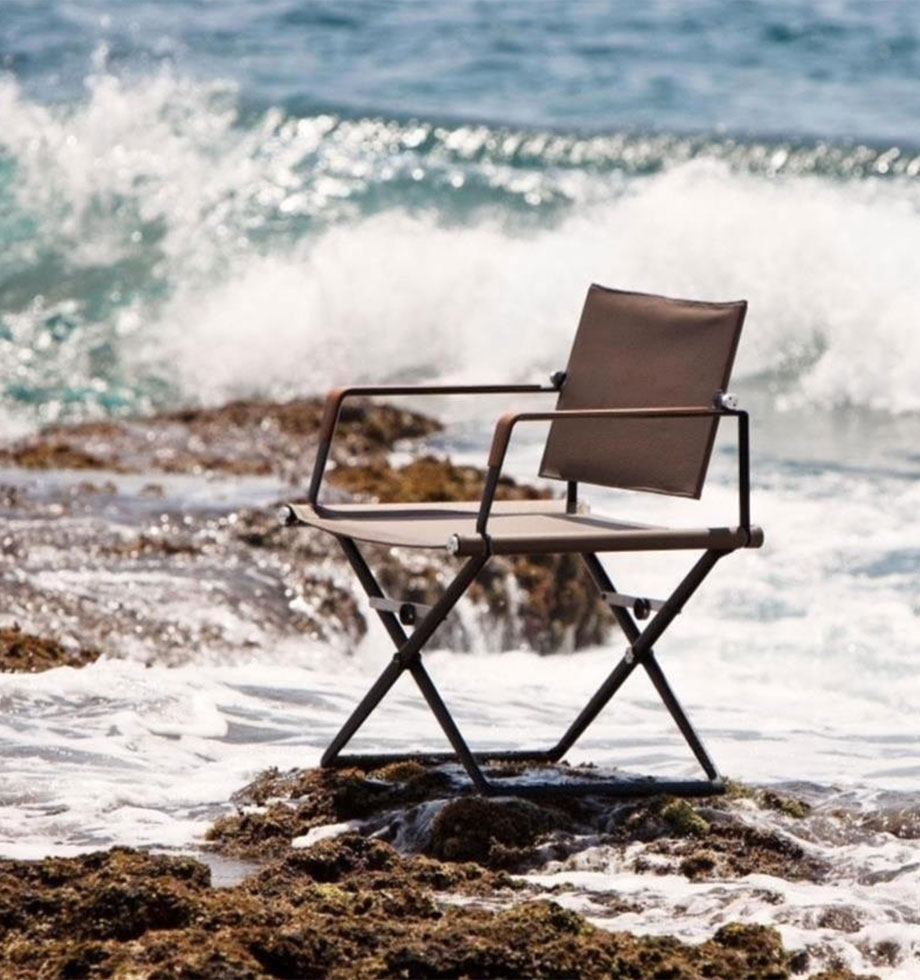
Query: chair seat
{"x": 515, "y": 527}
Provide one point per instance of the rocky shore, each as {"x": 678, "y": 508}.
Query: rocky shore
{"x": 122, "y": 508}
{"x": 395, "y": 872}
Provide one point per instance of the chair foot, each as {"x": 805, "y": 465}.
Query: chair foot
{"x": 624, "y": 787}
{"x": 379, "y": 760}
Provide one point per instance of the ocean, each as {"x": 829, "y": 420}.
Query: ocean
{"x": 204, "y": 201}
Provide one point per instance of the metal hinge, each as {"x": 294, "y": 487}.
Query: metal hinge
{"x": 408, "y": 612}
{"x": 640, "y": 606}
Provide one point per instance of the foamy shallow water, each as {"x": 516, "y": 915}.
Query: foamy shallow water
{"x": 117, "y": 752}
{"x": 796, "y": 662}
{"x": 122, "y": 753}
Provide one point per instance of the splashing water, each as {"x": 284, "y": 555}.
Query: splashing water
{"x": 166, "y": 247}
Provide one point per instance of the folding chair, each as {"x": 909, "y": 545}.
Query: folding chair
{"x": 638, "y": 407}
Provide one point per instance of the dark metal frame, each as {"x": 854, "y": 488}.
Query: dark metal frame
{"x": 626, "y": 610}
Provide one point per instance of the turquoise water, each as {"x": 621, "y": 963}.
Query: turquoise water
{"x": 181, "y": 181}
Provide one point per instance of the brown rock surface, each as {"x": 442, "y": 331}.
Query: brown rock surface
{"x": 243, "y": 437}
{"x": 352, "y": 908}
{"x": 546, "y": 603}
{"x": 420, "y": 806}
{"x": 422, "y": 480}
{"x": 25, "y": 653}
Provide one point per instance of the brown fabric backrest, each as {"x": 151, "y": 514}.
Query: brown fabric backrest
{"x": 633, "y": 350}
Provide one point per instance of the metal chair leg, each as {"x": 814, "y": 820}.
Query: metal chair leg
{"x": 640, "y": 652}
{"x": 408, "y": 658}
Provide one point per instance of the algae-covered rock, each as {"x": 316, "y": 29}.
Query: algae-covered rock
{"x": 128, "y": 914}
{"x": 768, "y": 799}
{"x": 247, "y": 437}
{"x": 290, "y": 804}
{"x": 427, "y": 479}
{"x": 684, "y": 820}
{"x": 423, "y": 806}
{"x": 495, "y": 833}
{"x": 53, "y": 453}
{"x": 842, "y": 973}
{"x": 899, "y": 821}
{"x": 556, "y": 604}
{"x": 25, "y": 653}
{"x": 355, "y": 907}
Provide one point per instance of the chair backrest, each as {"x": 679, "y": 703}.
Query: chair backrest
{"x": 633, "y": 350}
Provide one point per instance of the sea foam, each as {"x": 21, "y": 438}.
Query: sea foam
{"x": 210, "y": 252}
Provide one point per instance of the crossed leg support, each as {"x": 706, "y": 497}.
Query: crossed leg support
{"x": 639, "y": 652}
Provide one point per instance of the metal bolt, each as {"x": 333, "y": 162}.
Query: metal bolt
{"x": 641, "y": 608}
{"x": 726, "y": 400}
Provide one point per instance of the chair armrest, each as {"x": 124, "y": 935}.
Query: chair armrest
{"x": 505, "y": 426}
{"x": 336, "y": 398}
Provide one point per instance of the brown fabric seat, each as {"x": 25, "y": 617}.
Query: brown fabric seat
{"x": 515, "y": 528}
{"x": 637, "y": 408}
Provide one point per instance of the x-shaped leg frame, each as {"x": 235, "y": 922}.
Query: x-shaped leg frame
{"x": 639, "y": 653}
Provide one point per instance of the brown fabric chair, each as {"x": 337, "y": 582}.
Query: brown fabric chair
{"x": 638, "y": 406}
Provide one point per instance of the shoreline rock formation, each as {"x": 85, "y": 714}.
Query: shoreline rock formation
{"x": 388, "y": 873}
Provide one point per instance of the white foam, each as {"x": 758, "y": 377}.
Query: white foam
{"x": 258, "y": 302}
{"x": 828, "y": 270}
{"x": 881, "y": 913}
{"x": 327, "y": 831}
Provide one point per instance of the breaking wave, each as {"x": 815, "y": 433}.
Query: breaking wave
{"x": 165, "y": 244}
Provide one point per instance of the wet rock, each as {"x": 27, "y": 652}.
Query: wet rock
{"x": 541, "y": 939}
{"x": 423, "y": 808}
{"x": 153, "y": 543}
{"x": 119, "y": 894}
{"x": 427, "y": 479}
{"x": 352, "y": 908}
{"x": 736, "y": 850}
{"x": 253, "y": 437}
{"x": 53, "y": 453}
{"x": 840, "y": 918}
{"x": 711, "y": 840}
{"x": 498, "y": 834}
{"x": 559, "y": 606}
{"x": 352, "y": 862}
{"x": 495, "y": 833}
{"x": 843, "y": 973}
{"x": 355, "y": 906}
{"x": 899, "y": 821}
{"x": 768, "y": 799}
{"x": 545, "y": 603}
{"x": 25, "y": 653}
{"x": 291, "y": 804}
{"x": 120, "y": 561}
